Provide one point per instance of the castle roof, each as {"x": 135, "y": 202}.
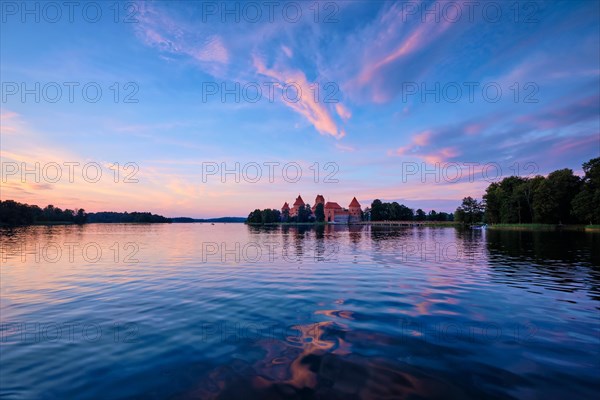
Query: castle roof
{"x": 299, "y": 201}
{"x": 319, "y": 199}
{"x": 354, "y": 203}
{"x": 286, "y": 206}
{"x": 334, "y": 205}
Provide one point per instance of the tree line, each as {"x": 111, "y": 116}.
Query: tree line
{"x": 15, "y": 213}
{"x": 381, "y": 211}
{"x": 305, "y": 214}
{"x": 560, "y": 198}
{"x": 266, "y": 216}
{"x": 117, "y": 217}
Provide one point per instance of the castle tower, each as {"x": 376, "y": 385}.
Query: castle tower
{"x": 297, "y": 204}
{"x": 354, "y": 210}
{"x": 318, "y": 200}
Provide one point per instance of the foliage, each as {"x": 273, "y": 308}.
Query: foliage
{"x": 117, "y": 217}
{"x": 586, "y": 203}
{"x": 14, "y": 213}
{"x": 266, "y": 216}
{"x": 398, "y": 212}
{"x": 304, "y": 214}
{"x": 320, "y": 212}
{"x": 469, "y": 212}
{"x": 559, "y": 198}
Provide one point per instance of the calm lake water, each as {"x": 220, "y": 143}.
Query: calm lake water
{"x": 188, "y": 311}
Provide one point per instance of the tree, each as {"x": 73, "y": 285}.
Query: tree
{"x": 394, "y": 211}
{"x": 554, "y": 196}
{"x": 432, "y": 216}
{"x": 420, "y": 216}
{"x": 377, "y": 212}
{"x": 406, "y": 214}
{"x": 366, "y": 214}
{"x": 269, "y": 216}
{"x": 493, "y": 200}
{"x": 470, "y": 211}
{"x": 81, "y": 217}
{"x": 285, "y": 216}
{"x": 586, "y": 204}
{"x": 254, "y": 217}
{"x": 304, "y": 213}
{"x": 320, "y": 212}
{"x": 443, "y": 216}
{"x": 512, "y": 201}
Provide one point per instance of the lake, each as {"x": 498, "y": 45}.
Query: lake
{"x": 189, "y": 311}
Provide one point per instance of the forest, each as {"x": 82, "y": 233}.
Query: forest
{"x": 13, "y": 213}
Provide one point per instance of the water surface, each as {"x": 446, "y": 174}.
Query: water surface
{"x": 231, "y": 311}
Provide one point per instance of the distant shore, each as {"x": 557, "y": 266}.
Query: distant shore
{"x": 506, "y": 227}
{"x": 544, "y": 227}
{"x": 380, "y": 223}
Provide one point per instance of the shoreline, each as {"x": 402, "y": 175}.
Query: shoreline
{"x": 544, "y": 227}
{"x": 497, "y": 227}
{"x": 377, "y": 223}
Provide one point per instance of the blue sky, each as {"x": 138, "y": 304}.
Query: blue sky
{"x": 388, "y": 76}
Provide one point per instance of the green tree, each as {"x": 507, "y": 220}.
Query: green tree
{"x": 554, "y": 196}
{"x": 320, "y": 212}
{"x": 493, "y": 201}
{"x": 420, "y": 215}
{"x": 512, "y": 201}
{"x": 443, "y": 216}
{"x": 285, "y": 216}
{"x": 586, "y": 204}
{"x": 432, "y": 216}
{"x": 366, "y": 214}
{"x": 406, "y": 214}
{"x": 304, "y": 213}
{"x": 377, "y": 212}
{"x": 255, "y": 217}
{"x": 81, "y": 216}
{"x": 469, "y": 212}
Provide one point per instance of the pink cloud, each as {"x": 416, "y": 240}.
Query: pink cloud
{"x": 344, "y": 148}
{"x": 422, "y": 139}
{"x": 441, "y": 155}
{"x": 9, "y": 121}
{"x": 343, "y": 112}
{"x": 212, "y": 49}
{"x": 574, "y": 145}
{"x": 316, "y": 113}
{"x": 158, "y": 30}
{"x": 391, "y": 48}
{"x": 402, "y": 151}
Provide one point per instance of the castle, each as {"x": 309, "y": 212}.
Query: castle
{"x": 333, "y": 211}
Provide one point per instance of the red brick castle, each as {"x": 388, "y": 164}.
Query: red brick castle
{"x": 333, "y": 211}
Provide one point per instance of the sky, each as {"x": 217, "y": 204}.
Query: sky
{"x": 208, "y": 109}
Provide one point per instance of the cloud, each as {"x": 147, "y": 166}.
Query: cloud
{"x": 343, "y": 112}
{"x": 288, "y": 52}
{"x": 344, "y": 148}
{"x": 316, "y": 113}
{"x": 563, "y": 134}
{"x": 9, "y": 122}
{"x": 401, "y": 48}
{"x": 157, "y": 29}
{"x": 173, "y": 35}
{"x": 212, "y": 49}
{"x": 418, "y": 142}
